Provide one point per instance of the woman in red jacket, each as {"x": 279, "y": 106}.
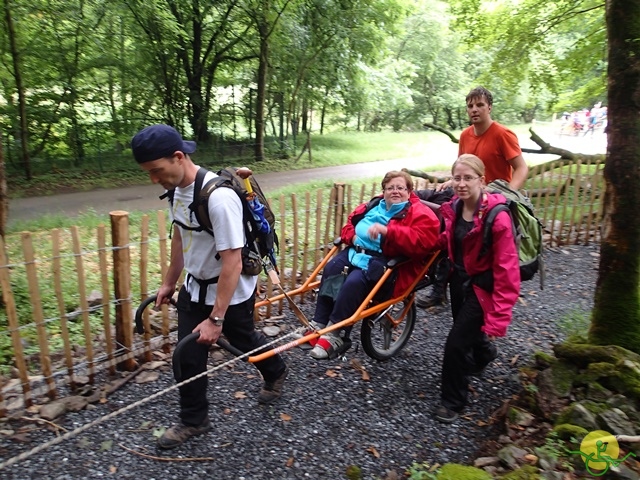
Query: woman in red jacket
{"x": 484, "y": 286}
{"x": 393, "y": 224}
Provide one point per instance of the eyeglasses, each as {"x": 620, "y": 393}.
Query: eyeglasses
{"x": 466, "y": 178}
{"x": 392, "y": 188}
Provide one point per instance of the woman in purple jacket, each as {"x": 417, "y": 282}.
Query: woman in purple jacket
{"x": 484, "y": 287}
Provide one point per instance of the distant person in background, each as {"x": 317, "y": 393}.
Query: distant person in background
{"x": 499, "y": 150}
{"x": 595, "y": 119}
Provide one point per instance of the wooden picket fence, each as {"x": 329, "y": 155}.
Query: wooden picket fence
{"x": 68, "y": 311}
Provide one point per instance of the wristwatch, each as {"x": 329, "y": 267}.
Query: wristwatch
{"x": 217, "y": 321}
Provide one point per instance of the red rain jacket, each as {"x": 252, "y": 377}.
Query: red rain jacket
{"x": 413, "y": 233}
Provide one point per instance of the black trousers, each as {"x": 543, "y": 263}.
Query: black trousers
{"x": 355, "y": 289}
{"x": 239, "y": 330}
{"x": 467, "y": 348}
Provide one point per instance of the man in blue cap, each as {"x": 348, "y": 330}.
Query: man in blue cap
{"x": 215, "y": 297}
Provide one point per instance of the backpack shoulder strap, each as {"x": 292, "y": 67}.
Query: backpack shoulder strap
{"x": 487, "y": 228}
{"x": 197, "y": 188}
{"x": 199, "y": 203}
{"x": 168, "y": 194}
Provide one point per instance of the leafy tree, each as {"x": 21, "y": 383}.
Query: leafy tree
{"x": 265, "y": 16}
{"x": 323, "y": 42}
{"x": 187, "y": 42}
{"x": 440, "y": 80}
{"x": 556, "y": 45}
{"x": 16, "y": 72}
{"x": 616, "y": 313}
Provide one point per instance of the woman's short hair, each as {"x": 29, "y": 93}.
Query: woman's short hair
{"x": 396, "y": 174}
{"x": 471, "y": 161}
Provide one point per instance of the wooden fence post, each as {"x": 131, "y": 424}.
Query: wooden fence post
{"x": 38, "y": 312}
{"x": 339, "y": 220}
{"x": 122, "y": 286}
{"x": 12, "y": 319}
{"x": 106, "y": 304}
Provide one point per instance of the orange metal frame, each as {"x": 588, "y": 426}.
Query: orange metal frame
{"x": 367, "y": 307}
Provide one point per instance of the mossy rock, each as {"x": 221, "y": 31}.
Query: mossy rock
{"x": 543, "y": 359}
{"x": 597, "y": 392}
{"x": 568, "y": 431}
{"x": 563, "y": 374}
{"x": 623, "y": 377}
{"x": 597, "y": 370}
{"x": 526, "y": 472}
{"x": 577, "y": 338}
{"x": 581, "y": 413}
{"x": 582, "y": 354}
{"x": 630, "y": 378}
{"x": 454, "y": 471}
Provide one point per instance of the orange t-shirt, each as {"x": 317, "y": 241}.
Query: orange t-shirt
{"x": 495, "y": 148}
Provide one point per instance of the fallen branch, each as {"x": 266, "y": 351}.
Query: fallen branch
{"x": 109, "y": 388}
{"x": 442, "y": 130}
{"x": 566, "y": 156}
{"x": 431, "y": 178}
{"x": 168, "y": 459}
{"x": 42, "y": 420}
{"x": 628, "y": 438}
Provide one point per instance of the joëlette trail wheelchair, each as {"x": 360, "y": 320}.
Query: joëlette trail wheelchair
{"x": 386, "y": 325}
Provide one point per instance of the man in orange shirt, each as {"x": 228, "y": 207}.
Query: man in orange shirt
{"x": 493, "y": 143}
{"x": 499, "y": 150}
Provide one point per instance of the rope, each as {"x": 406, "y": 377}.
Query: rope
{"x": 73, "y": 433}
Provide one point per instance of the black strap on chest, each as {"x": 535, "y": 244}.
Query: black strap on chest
{"x": 204, "y": 284}
{"x": 372, "y": 253}
{"x": 197, "y": 187}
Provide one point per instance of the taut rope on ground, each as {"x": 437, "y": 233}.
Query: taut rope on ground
{"x": 24, "y": 455}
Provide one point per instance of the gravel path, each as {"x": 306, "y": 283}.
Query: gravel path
{"x": 329, "y": 417}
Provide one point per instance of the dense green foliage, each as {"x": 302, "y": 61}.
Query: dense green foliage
{"x": 78, "y": 78}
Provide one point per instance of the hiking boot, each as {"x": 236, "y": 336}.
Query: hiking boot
{"x": 271, "y": 391}
{"x": 430, "y": 300}
{"x": 180, "y": 433}
{"x": 445, "y": 415}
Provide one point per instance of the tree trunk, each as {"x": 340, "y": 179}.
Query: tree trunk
{"x": 323, "y": 111}
{"x": 22, "y": 102}
{"x": 4, "y": 198}
{"x": 615, "y": 318}
{"x": 305, "y": 115}
{"x": 263, "y": 29}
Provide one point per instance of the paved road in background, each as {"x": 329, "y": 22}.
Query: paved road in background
{"x": 145, "y": 198}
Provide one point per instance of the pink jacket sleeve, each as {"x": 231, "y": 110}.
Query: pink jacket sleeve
{"x": 506, "y": 278}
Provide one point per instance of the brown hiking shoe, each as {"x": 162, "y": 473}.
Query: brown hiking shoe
{"x": 271, "y": 391}
{"x": 180, "y": 433}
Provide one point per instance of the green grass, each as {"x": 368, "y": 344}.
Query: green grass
{"x": 429, "y": 150}
{"x": 346, "y": 148}
{"x": 326, "y": 150}
{"x": 575, "y": 325}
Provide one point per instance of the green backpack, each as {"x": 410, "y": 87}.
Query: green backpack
{"x": 526, "y": 226}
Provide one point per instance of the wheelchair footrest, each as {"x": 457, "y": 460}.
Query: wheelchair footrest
{"x": 338, "y": 352}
